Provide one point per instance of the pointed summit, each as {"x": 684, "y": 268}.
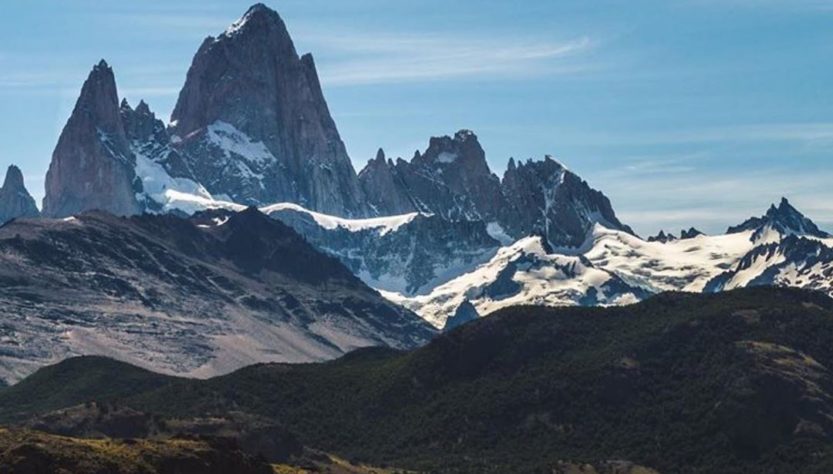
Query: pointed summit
{"x": 381, "y": 187}
{"x": 547, "y": 198}
{"x": 258, "y": 15}
{"x": 98, "y": 102}
{"x": 92, "y": 165}
{"x": 14, "y": 178}
{"x": 690, "y": 233}
{"x": 15, "y": 200}
{"x": 662, "y": 237}
{"x": 782, "y": 221}
{"x": 250, "y": 86}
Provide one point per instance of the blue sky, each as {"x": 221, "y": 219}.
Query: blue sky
{"x": 689, "y": 112}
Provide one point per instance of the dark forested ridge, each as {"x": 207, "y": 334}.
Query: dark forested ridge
{"x": 732, "y": 382}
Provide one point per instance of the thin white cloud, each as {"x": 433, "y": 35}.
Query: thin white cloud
{"x": 186, "y": 24}
{"x": 711, "y": 199}
{"x": 395, "y": 58}
{"x": 807, "y": 132}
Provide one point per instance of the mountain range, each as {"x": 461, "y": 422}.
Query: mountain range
{"x": 145, "y": 248}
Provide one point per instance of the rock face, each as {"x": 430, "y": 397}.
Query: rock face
{"x": 15, "y": 200}
{"x": 465, "y": 313}
{"x": 782, "y": 220}
{"x": 662, "y": 237}
{"x": 92, "y": 166}
{"x": 452, "y": 179}
{"x": 548, "y": 199}
{"x": 253, "y": 124}
{"x": 793, "y": 262}
{"x": 159, "y": 167}
{"x": 384, "y": 189}
{"x": 690, "y": 233}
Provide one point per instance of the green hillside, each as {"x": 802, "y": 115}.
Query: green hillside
{"x": 733, "y": 382}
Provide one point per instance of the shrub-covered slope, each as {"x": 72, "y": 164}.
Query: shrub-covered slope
{"x": 731, "y": 382}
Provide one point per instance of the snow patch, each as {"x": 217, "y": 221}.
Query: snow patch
{"x": 382, "y": 224}
{"x": 534, "y": 277}
{"x": 496, "y": 232}
{"x": 232, "y": 141}
{"x": 446, "y": 157}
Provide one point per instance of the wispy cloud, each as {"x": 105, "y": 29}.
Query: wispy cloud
{"x": 710, "y": 198}
{"x": 187, "y": 24}
{"x": 395, "y": 58}
{"x": 807, "y": 132}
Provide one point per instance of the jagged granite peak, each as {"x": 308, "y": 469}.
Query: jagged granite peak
{"x": 663, "y": 237}
{"x": 544, "y": 196}
{"x": 690, "y": 233}
{"x": 794, "y": 261}
{"x": 670, "y": 237}
{"x": 92, "y": 165}
{"x": 141, "y": 123}
{"x": 384, "y": 190}
{"x": 15, "y": 200}
{"x": 149, "y": 139}
{"x": 451, "y": 179}
{"x": 784, "y": 219}
{"x": 254, "y": 126}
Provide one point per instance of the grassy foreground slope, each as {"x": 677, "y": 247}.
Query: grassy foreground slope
{"x": 30, "y": 452}
{"x": 733, "y": 382}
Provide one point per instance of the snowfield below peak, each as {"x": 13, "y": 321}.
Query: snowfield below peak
{"x": 235, "y": 143}
{"x": 680, "y": 265}
{"x": 615, "y": 267}
{"x": 522, "y": 273}
{"x": 381, "y": 224}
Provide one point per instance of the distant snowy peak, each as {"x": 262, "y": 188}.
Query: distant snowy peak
{"x": 662, "y": 237}
{"x": 547, "y": 199}
{"x": 781, "y": 221}
{"x": 690, "y": 233}
{"x": 794, "y": 261}
{"x": 452, "y": 179}
{"x": 670, "y": 237}
{"x": 523, "y": 273}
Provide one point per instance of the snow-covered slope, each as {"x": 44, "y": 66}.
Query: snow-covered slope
{"x": 794, "y": 261}
{"x": 409, "y": 254}
{"x": 382, "y": 225}
{"x": 523, "y": 273}
{"x": 678, "y": 265}
{"x": 614, "y": 267}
